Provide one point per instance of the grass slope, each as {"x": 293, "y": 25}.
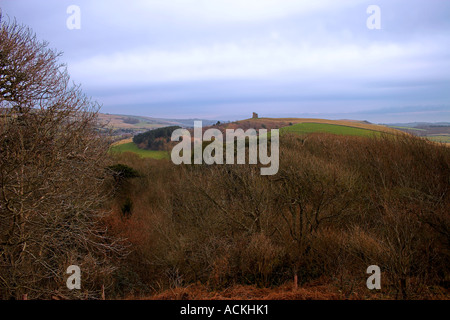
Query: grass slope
{"x": 309, "y": 127}
{"x": 131, "y": 147}
{"x": 277, "y": 123}
{"x": 294, "y": 125}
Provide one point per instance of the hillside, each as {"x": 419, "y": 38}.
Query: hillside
{"x": 157, "y": 139}
{"x": 125, "y": 126}
{"x": 310, "y": 127}
{"x": 338, "y": 204}
{"x": 439, "y": 132}
{"x": 321, "y": 125}
{"x": 293, "y": 125}
{"x": 127, "y": 145}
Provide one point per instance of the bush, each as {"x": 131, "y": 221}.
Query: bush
{"x": 52, "y": 167}
{"x": 131, "y": 120}
{"x": 155, "y": 139}
{"x": 337, "y": 205}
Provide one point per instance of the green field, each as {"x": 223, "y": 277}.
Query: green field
{"x": 309, "y": 127}
{"x": 131, "y": 147}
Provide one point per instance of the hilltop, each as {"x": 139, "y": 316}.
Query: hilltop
{"x": 125, "y": 126}
{"x": 292, "y": 125}
{"x": 316, "y": 125}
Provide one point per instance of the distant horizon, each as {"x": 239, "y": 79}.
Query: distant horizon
{"x": 306, "y": 116}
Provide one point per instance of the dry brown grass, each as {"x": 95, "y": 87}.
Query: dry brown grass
{"x": 242, "y": 292}
{"x": 123, "y": 141}
{"x": 218, "y": 232}
{"x": 316, "y": 290}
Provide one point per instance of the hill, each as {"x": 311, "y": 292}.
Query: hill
{"x": 141, "y": 143}
{"x": 439, "y": 132}
{"x": 308, "y": 125}
{"x": 125, "y": 126}
{"x": 127, "y": 145}
{"x": 337, "y": 204}
{"x": 157, "y": 139}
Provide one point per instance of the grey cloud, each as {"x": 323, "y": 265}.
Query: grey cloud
{"x": 184, "y": 73}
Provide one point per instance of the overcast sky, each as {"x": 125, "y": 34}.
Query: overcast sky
{"x": 224, "y": 59}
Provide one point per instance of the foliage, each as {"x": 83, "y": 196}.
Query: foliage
{"x": 131, "y": 147}
{"x": 154, "y": 139}
{"x": 130, "y": 120}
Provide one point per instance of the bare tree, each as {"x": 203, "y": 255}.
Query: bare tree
{"x": 309, "y": 193}
{"x": 52, "y": 171}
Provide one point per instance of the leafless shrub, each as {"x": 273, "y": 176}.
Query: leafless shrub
{"x": 52, "y": 173}
{"x": 336, "y": 206}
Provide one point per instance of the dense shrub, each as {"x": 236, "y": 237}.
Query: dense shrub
{"x": 337, "y": 205}
{"x": 155, "y": 139}
{"x": 130, "y": 120}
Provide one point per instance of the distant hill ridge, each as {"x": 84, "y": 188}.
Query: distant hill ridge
{"x": 278, "y": 123}
{"x": 123, "y": 121}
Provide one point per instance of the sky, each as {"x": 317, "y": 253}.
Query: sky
{"x": 224, "y": 59}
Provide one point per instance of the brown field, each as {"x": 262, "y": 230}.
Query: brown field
{"x": 123, "y": 141}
